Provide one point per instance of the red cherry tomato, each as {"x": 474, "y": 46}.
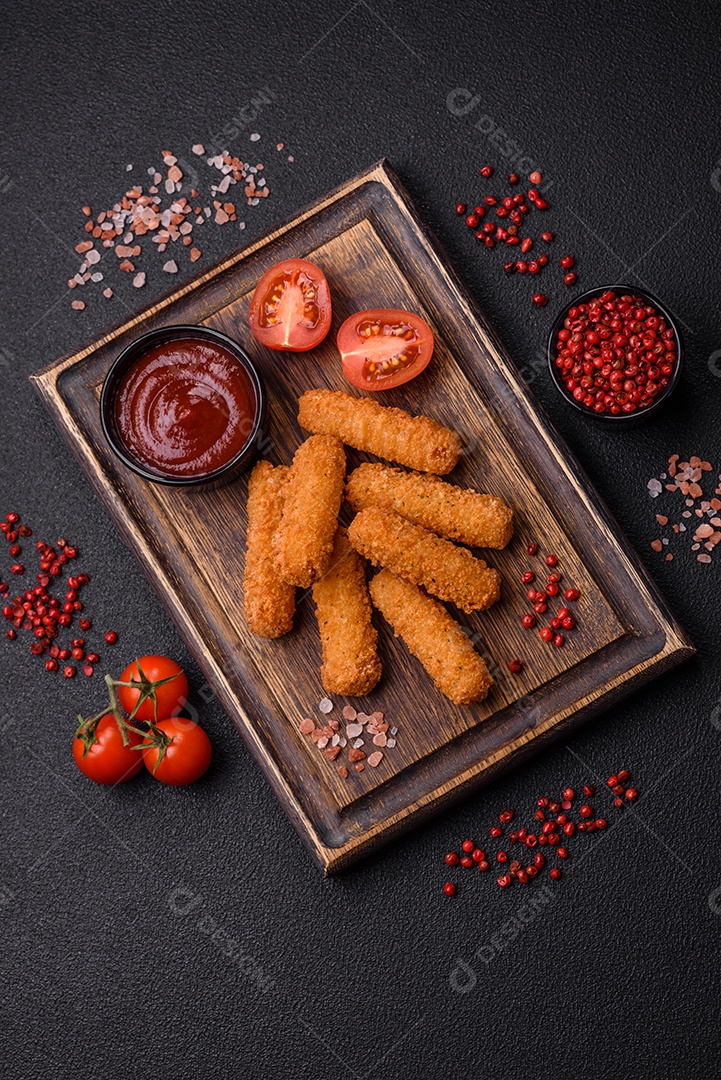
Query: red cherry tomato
{"x": 187, "y": 757}
{"x": 384, "y": 348}
{"x": 108, "y": 761}
{"x": 291, "y": 306}
{"x": 170, "y": 696}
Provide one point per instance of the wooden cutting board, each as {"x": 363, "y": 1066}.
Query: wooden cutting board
{"x": 376, "y": 252}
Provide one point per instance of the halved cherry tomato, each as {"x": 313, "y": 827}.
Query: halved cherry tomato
{"x": 159, "y": 682}
{"x": 107, "y": 760}
{"x": 187, "y": 757}
{"x": 384, "y": 348}
{"x": 291, "y": 306}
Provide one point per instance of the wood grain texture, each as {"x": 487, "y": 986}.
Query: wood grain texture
{"x": 374, "y": 250}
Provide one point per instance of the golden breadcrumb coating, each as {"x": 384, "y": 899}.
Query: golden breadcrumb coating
{"x": 303, "y": 542}
{"x": 459, "y": 514}
{"x": 444, "y": 570}
{"x": 343, "y": 609}
{"x": 269, "y": 601}
{"x": 433, "y": 636}
{"x": 415, "y": 441}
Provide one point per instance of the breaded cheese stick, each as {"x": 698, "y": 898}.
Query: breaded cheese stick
{"x": 444, "y": 570}
{"x": 343, "y": 610}
{"x": 433, "y": 636}
{"x": 415, "y": 441}
{"x": 457, "y": 513}
{"x": 269, "y": 601}
{"x": 312, "y": 494}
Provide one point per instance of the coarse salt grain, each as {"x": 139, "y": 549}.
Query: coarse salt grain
{"x": 325, "y": 705}
{"x": 349, "y": 713}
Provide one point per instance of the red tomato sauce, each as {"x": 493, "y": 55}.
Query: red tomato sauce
{"x": 185, "y": 408}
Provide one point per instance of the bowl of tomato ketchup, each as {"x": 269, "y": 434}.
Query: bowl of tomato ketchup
{"x": 183, "y": 406}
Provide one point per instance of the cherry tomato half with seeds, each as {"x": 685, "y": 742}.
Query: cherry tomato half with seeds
{"x": 383, "y": 348}
{"x": 108, "y": 761}
{"x": 187, "y": 757}
{"x": 291, "y": 307}
{"x": 169, "y": 693}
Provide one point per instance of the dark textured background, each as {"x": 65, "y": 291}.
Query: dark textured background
{"x": 109, "y": 970}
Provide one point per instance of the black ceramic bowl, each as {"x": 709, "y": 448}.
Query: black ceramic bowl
{"x": 622, "y": 418}
{"x": 231, "y": 469}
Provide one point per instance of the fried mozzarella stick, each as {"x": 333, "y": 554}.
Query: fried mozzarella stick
{"x": 415, "y": 441}
{"x": 446, "y": 571}
{"x": 434, "y": 638}
{"x": 269, "y": 601}
{"x": 456, "y": 513}
{"x": 343, "y": 609}
{"x": 303, "y": 542}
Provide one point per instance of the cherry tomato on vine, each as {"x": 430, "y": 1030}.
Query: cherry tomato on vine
{"x": 161, "y": 684}
{"x": 384, "y": 348}
{"x": 187, "y": 757}
{"x": 291, "y": 307}
{"x": 107, "y": 760}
